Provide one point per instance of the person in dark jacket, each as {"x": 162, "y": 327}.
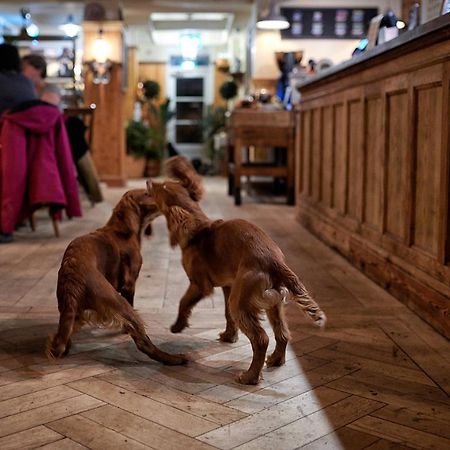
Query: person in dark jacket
{"x": 15, "y": 87}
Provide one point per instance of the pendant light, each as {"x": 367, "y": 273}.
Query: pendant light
{"x": 70, "y": 28}
{"x": 273, "y": 20}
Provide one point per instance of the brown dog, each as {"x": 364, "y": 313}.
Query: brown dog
{"x": 237, "y": 256}
{"x": 98, "y": 274}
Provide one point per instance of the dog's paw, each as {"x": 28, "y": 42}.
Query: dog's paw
{"x": 178, "y": 327}
{"x": 177, "y": 360}
{"x": 228, "y": 337}
{"x": 248, "y": 378}
{"x": 275, "y": 360}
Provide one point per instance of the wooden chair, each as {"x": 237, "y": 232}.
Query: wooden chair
{"x": 87, "y": 115}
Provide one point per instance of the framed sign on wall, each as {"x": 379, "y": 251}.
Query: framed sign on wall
{"x": 327, "y": 23}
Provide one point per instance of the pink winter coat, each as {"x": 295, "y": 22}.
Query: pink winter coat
{"x": 36, "y": 165}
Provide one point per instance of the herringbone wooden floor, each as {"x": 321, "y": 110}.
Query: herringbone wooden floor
{"x": 376, "y": 378}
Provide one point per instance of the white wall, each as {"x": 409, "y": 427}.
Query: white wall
{"x": 338, "y": 50}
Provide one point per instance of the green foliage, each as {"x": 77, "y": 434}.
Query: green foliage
{"x": 159, "y": 116}
{"x": 228, "y": 90}
{"x": 141, "y": 141}
{"x": 151, "y": 89}
{"x": 213, "y": 122}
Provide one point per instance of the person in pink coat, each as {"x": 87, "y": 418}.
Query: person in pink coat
{"x": 36, "y": 165}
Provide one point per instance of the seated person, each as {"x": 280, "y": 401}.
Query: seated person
{"x": 15, "y": 88}
{"x": 51, "y": 94}
{"x": 34, "y": 67}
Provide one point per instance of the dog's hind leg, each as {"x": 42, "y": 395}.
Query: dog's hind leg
{"x": 190, "y": 298}
{"x": 59, "y": 344}
{"x": 231, "y": 330}
{"x": 245, "y": 311}
{"x": 281, "y": 332}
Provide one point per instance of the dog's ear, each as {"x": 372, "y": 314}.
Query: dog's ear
{"x": 127, "y": 213}
{"x": 181, "y": 169}
{"x": 181, "y": 225}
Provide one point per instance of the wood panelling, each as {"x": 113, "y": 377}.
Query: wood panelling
{"x": 355, "y": 158}
{"x": 373, "y": 164}
{"x": 375, "y": 157}
{"x": 327, "y": 156}
{"x": 132, "y": 81}
{"x": 316, "y": 154}
{"x": 155, "y": 71}
{"x": 428, "y": 177}
{"x": 340, "y": 159}
{"x": 108, "y": 141}
{"x": 397, "y": 191}
{"x": 306, "y": 143}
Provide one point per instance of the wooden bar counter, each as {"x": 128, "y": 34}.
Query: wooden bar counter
{"x": 373, "y": 151}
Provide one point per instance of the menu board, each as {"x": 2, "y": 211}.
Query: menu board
{"x": 327, "y": 23}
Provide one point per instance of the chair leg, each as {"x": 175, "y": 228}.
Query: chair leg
{"x": 32, "y": 221}
{"x": 55, "y": 226}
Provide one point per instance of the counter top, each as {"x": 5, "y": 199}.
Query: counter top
{"x": 439, "y": 28}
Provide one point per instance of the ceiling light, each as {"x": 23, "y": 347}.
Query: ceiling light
{"x": 101, "y": 48}
{"x": 70, "y": 28}
{"x": 274, "y": 20}
{"x": 208, "y": 16}
{"x": 190, "y": 44}
{"x": 161, "y": 16}
{"x": 32, "y": 30}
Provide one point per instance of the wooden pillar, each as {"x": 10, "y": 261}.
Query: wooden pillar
{"x": 132, "y": 81}
{"x": 108, "y": 146}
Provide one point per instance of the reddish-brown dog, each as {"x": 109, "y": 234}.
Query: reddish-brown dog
{"x": 236, "y": 256}
{"x": 98, "y": 274}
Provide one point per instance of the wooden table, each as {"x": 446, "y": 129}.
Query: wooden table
{"x": 260, "y": 128}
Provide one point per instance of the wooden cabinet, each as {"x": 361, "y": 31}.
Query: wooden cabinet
{"x": 373, "y": 159}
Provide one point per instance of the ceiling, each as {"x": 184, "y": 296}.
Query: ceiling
{"x": 135, "y": 12}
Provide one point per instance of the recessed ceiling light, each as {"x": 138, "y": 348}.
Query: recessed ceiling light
{"x": 161, "y": 16}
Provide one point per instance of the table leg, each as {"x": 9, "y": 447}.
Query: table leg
{"x": 237, "y": 171}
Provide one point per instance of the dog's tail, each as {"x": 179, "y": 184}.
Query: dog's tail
{"x": 181, "y": 169}
{"x": 300, "y": 295}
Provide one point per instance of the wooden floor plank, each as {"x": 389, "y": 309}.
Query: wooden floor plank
{"x": 44, "y": 414}
{"x": 143, "y": 430}
{"x": 291, "y": 387}
{"x": 36, "y": 399}
{"x": 315, "y": 425}
{"x": 414, "y": 419}
{"x": 32, "y": 438}
{"x": 145, "y": 407}
{"x": 94, "y": 436}
{"x": 399, "y": 433}
{"x": 196, "y": 406}
{"x": 63, "y": 444}
{"x": 344, "y": 438}
{"x": 271, "y": 418}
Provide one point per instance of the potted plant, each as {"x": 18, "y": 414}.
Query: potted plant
{"x": 141, "y": 146}
{"x": 228, "y": 90}
{"x": 213, "y": 123}
{"x": 158, "y": 117}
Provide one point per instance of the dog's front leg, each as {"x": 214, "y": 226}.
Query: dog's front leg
{"x": 130, "y": 275}
{"x": 230, "y": 334}
{"x": 190, "y": 298}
